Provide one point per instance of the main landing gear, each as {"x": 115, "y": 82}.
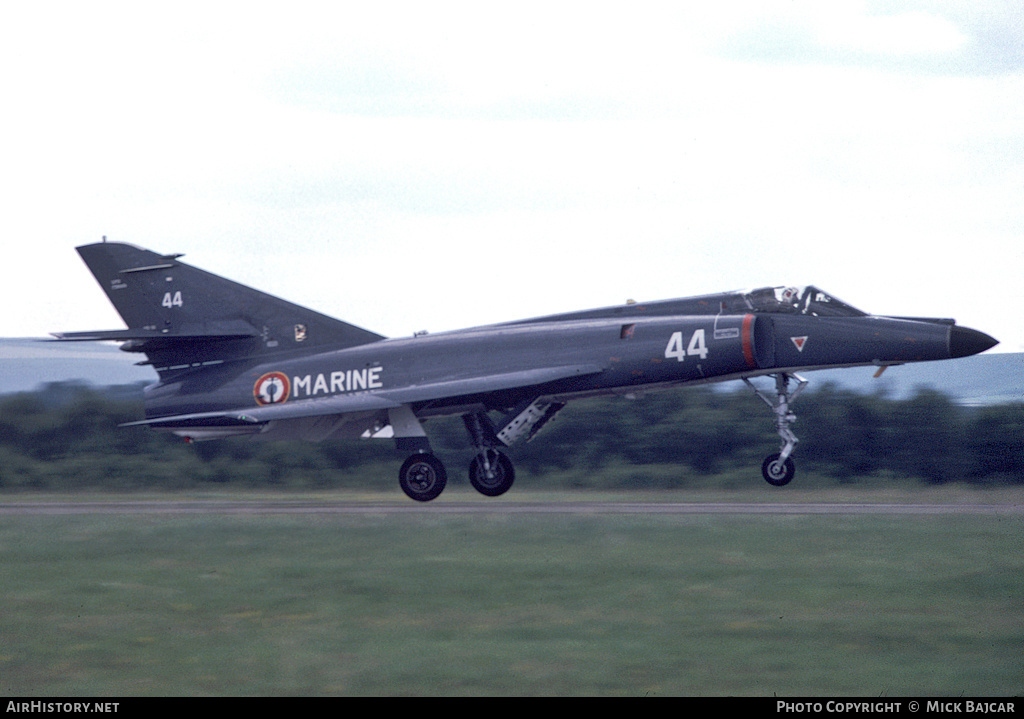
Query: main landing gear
{"x": 778, "y": 469}
{"x": 423, "y": 476}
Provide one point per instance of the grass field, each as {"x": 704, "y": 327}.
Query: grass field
{"x": 427, "y": 604}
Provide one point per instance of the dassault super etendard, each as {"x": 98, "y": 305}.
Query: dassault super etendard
{"x": 235, "y": 361}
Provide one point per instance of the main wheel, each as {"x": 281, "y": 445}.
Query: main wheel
{"x": 501, "y": 476}
{"x": 778, "y": 473}
{"x": 422, "y": 477}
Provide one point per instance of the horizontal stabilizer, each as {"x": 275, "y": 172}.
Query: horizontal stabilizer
{"x": 149, "y": 335}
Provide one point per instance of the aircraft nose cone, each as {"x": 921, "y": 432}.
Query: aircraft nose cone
{"x": 963, "y": 341}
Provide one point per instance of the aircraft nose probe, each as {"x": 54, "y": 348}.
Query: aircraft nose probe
{"x": 964, "y": 342}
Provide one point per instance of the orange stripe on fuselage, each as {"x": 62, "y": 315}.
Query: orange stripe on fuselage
{"x": 748, "y": 343}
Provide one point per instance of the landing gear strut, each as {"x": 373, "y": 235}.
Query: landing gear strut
{"x": 778, "y": 469}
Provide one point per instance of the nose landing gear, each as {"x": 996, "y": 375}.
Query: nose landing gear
{"x": 778, "y": 469}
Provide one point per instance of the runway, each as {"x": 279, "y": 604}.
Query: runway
{"x": 399, "y": 507}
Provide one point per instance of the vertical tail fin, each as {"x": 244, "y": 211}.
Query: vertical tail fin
{"x": 183, "y": 317}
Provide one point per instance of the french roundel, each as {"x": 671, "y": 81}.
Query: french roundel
{"x": 272, "y": 388}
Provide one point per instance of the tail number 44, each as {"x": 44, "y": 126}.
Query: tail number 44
{"x": 172, "y": 300}
{"x": 698, "y": 346}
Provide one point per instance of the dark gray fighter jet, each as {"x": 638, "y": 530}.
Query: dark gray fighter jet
{"x": 235, "y": 361}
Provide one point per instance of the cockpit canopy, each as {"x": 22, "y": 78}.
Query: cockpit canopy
{"x": 807, "y": 300}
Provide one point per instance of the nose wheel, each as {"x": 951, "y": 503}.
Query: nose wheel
{"x": 778, "y": 469}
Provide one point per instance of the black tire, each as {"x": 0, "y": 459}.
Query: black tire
{"x": 422, "y": 477}
{"x": 502, "y": 469}
{"x": 778, "y": 474}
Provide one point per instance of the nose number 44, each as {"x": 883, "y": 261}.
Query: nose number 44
{"x": 698, "y": 346}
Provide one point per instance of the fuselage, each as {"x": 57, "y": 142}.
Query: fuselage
{"x": 631, "y": 353}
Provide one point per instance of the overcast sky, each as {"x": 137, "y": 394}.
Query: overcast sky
{"x": 411, "y": 165}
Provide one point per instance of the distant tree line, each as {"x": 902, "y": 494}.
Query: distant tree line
{"x": 65, "y": 436}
